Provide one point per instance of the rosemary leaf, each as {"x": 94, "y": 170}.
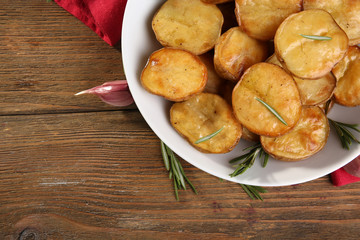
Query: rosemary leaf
{"x": 253, "y": 191}
{"x": 344, "y": 134}
{"x": 248, "y": 159}
{"x": 203, "y": 139}
{"x": 176, "y": 190}
{"x": 272, "y": 110}
{"x": 165, "y": 156}
{"x": 176, "y": 171}
{"x": 316, "y": 37}
{"x": 247, "y": 191}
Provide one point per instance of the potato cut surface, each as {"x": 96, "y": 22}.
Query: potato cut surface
{"x": 202, "y": 115}
{"x": 347, "y": 72}
{"x": 235, "y": 52}
{"x": 345, "y": 12}
{"x": 308, "y": 137}
{"x": 273, "y": 85}
{"x": 308, "y": 58}
{"x": 188, "y": 24}
{"x": 174, "y": 74}
{"x": 260, "y": 18}
{"x": 312, "y": 92}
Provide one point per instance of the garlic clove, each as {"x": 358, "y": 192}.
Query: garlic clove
{"x": 353, "y": 167}
{"x": 115, "y": 93}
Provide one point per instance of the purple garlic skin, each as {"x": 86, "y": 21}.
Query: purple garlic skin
{"x": 353, "y": 167}
{"x": 115, "y": 93}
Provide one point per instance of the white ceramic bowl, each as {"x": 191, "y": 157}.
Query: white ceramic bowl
{"x": 138, "y": 42}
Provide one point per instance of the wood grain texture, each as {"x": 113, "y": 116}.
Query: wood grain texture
{"x": 46, "y": 56}
{"x": 76, "y": 168}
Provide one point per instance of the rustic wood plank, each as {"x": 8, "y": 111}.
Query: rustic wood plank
{"x": 100, "y": 175}
{"x": 46, "y": 56}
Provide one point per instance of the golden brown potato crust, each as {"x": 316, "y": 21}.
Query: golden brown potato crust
{"x": 308, "y": 137}
{"x": 345, "y": 12}
{"x": 307, "y": 58}
{"x": 260, "y": 18}
{"x": 216, "y": 1}
{"x": 204, "y": 114}
{"x": 274, "y": 86}
{"x": 312, "y": 92}
{"x": 235, "y": 52}
{"x": 347, "y": 72}
{"x": 174, "y": 74}
{"x": 188, "y": 24}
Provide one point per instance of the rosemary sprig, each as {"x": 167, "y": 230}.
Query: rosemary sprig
{"x": 253, "y": 191}
{"x": 316, "y": 37}
{"x": 203, "y": 139}
{"x": 272, "y": 110}
{"x": 344, "y": 134}
{"x": 248, "y": 159}
{"x": 175, "y": 170}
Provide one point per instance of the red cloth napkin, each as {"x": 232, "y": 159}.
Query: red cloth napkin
{"x": 104, "y": 17}
{"x": 340, "y": 177}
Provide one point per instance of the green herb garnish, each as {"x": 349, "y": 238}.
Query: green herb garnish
{"x": 276, "y": 114}
{"x": 203, "y": 139}
{"x": 316, "y": 37}
{"x": 253, "y": 191}
{"x": 248, "y": 159}
{"x": 344, "y": 134}
{"x": 175, "y": 170}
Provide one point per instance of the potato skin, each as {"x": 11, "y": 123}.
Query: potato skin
{"x": 308, "y": 137}
{"x": 202, "y": 115}
{"x": 216, "y": 1}
{"x": 260, "y": 18}
{"x": 307, "y": 58}
{"x": 235, "y": 52}
{"x": 345, "y": 12}
{"x": 191, "y": 25}
{"x": 274, "y": 86}
{"x": 174, "y": 74}
{"x": 314, "y": 91}
{"x": 347, "y": 72}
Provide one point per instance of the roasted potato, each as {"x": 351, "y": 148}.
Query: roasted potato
{"x": 260, "y": 18}
{"x": 312, "y": 92}
{"x": 347, "y": 72}
{"x": 216, "y": 1}
{"x": 214, "y": 83}
{"x": 235, "y": 52}
{"x": 308, "y": 137}
{"x": 271, "y": 84}
{"x": 202, "y": 115}
{"x": 308, "y": 58}
{"x": 345, "y": 12}
{"x": 249, "y": 136}
{"x": 174, "y": 74}
{"x": 191, "y": 25}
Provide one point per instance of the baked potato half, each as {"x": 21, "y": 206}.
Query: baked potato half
{"x": 271, "y": 84}
{"x": 249, "y": 136}
{"x": 347, "y": 72}
{"x": 260, "y": 18}
{"x": 235, "y": 52}
{"x": 191, "y": 25}
{"x": 312, "y": 92}
{"x": 309, "y": 58}
{"x": 216, "y": 1}
{"x": 174, "y": 74}
{"x": 308, "y": 137}
{"x": 202, "y": 115}
{"x": 345, "y": 12}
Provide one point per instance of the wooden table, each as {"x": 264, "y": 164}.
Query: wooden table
{"x": 72, "y": 167}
